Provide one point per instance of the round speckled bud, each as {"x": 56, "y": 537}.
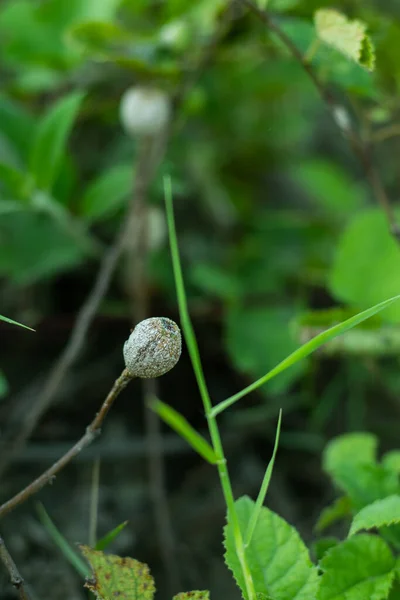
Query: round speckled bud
{"x": 144, "y": 111}
{"x": 153, "y": 348}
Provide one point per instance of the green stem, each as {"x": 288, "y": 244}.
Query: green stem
{"x": 229, "y": 500}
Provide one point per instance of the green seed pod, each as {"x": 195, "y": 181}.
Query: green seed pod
{"x": 153, "y": 348}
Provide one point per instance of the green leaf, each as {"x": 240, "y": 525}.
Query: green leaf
{"x": 195, "y": 595}
{"x": 105, "y": 541}
{"x": 378, "y": 514}
{"x": 366, "y": 247}
{"x": 34, "y": 246}
{"x": 257, "y": 338}
{"x": 115, "y": 577}
{"x": 304, "y": 351}
{"x": 179, "y": 424}
{"x": 351, "y": 461}
{"x": 101, "y": 38}
{"x": 108, "y": 193}
{"x": 340, "y": 509}
{"x": 277, "y": 557}
{"x": 359, "y": 568}
{"x": 69, "y": 553}
{"x": 264, "y": 486}
{"x": 391, "y": 461}
{"x": 348, "y": 37}
{"x": 15, "y": 181}
{"x": 350, "y": 448}
{"x": 328, "y": 186}
{"x": 49, "y": 144}
{"x": 7, "y": 320}
{"x": 322, "y": 546}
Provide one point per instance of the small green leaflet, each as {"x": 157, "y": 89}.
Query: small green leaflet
{"x": 376, "y": 515}
{"x": 105, "y": 541}
{"x": 360, "y": 568}
{"x": 348, "y": 37}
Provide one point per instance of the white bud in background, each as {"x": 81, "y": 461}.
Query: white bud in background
{"x": 144, "y": 111}
{"x": 153, "y": 348}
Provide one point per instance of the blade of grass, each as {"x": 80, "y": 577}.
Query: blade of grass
{"x": 179, "y": 424}
{"x": 60, "y": 541}
{"x": 304, "y": 351}
{"x": 191, "y": 342}
{"x": 264, "y": 487}
{"x": 7, "y": 320}
{"x": 105, "y": 541}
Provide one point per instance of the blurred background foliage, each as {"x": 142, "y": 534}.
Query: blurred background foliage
{"x": 279, "y": 231}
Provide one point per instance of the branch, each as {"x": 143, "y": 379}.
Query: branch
{"x": 147, "y": 163}
{"x": 15, "y": 577}
{"x": 358, "y": 146}
{"x": 91, "y": 433}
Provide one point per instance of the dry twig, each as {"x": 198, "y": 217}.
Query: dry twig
{"x": 91, "y": 433}
{"x": 15, "y": 577}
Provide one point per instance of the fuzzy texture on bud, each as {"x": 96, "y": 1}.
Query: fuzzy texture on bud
{"x": 144, "y": 111}
{"x": 153, "y": 348}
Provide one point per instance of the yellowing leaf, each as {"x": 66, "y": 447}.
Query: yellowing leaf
{"x": 195, "y": 595}
{"x": 348, "y": 37}
{"x": 116, "y": 577}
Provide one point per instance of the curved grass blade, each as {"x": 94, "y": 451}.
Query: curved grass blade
{"x": 105, "y": 541}
{"x": 304, "y": 351}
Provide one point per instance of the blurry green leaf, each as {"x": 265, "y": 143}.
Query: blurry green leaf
{"x": 258, "y": 338}
{"x": 17, "y": 125}
{"x": 275, "y": 550}
{"x": 366, "y": 265}
{"x": 348, "y": 37}
{"x": 15, "y": 181}
{"x": 69, "y": 553}
{"x": 7, "y": 320}
{"x": 378, "y": 514}
{"x": 118, "y": 577}
{"x": 107, "y": 193}
{"x": 185, "y": 430}
{"x": 391, "y": 461}
{"x": 304, "y": 351}
{"x": 62, "y": 13}
{"x": 4, "y": 387}
{"x": 359, "y": 568}
{"x": 105, "y": 541}
{"x": 351, "y": 462}
{"x": 34, "y": 246}
{"x": 51, "y": 138}
{"x": 329, "y": 186}
{"x": 99, "y": 37}
{"x": 337, "y": 511}
{"x": 215, "y": 280}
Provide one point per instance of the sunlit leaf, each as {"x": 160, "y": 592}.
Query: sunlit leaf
{"x": 346, "y": 36}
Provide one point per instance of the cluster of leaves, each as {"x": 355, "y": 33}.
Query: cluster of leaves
{"x": 364, "y": 565}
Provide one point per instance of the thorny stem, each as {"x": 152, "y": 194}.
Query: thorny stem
{"x": 15, "y": 577}
{"x": 92, "y": 431}
{"x": 360, "y": 148}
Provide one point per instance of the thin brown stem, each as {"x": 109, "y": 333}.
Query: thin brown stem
{"x": 15, "y": 577}
{"x": 91, "y": 433}
{"x": 360, "y": 148}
